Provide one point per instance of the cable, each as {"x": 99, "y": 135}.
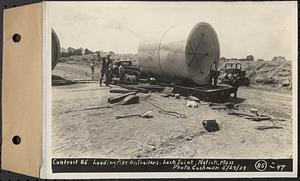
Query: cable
{"x": 167, "y": 112}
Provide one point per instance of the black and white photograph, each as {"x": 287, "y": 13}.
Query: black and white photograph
{"x": 173, "y": 83}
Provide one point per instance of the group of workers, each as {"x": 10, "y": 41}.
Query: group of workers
{"x": 214, "y": 75}
{"x": 112, "y": 70}
{"x": 108, "y": 69}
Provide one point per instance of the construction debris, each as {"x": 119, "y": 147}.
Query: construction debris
{"x": 134, "y": 87}
{"x": 219, "y": 107}
{"x": 193, "y": 98}
{"x": 258, "y": 118}
{"x": 268, "y": 127}
{"x": 220, "y": 93}
{"x": 167, "y": 112}
{"x": 86, "y": 109}
{"x": 152, "y": 87}
{"x": 115, "y": 99}
{"x": 144, "y": 88}
{"x": 93, "y": 108}
{"x": 240, "y": 114}
{"x": 192, "y": 104}
{"x": 144, "y": 81}
{"x": 115, "y": 81}
{"x": 253, "y": 117}
{"x": 188, "y": 138}
{"x": 152, "y": 80}
{"x": 254, "y": 111}
{"x": 145, "y": 97}
{"x": 228, "y": 105}
{"x": 144, "y": 115}
{"x": 116, "y": 90}
{"x": 164, "y": 95}
{"x": 211, "y": 125}
{"x": 206, "y": 93}
{"x": 177, "y": 96}
{"x": 171, "y": 113}
{"x": 168, "y": 89}
{"x": 131, "y": 99}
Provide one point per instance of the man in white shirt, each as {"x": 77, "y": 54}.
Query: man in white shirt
{"x": 92, "y": 65}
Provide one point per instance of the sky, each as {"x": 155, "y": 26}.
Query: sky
{"x": 261, "y": 29}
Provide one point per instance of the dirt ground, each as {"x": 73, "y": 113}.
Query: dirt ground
{"x": 96, "y": 132}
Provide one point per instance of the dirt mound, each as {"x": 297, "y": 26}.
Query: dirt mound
{"x": 276, "y": 74}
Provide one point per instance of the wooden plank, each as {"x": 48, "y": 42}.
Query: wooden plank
{"x": 268, "y": 127}
{"x": 151, "y": 87}
{"x": 116, "y": 90}
{"x": 133, "y": 87}
{"x": 220, "y": 93}
{"x": 119, "y": 98}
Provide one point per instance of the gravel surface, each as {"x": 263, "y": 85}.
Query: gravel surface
{"x": 96, "y": 132}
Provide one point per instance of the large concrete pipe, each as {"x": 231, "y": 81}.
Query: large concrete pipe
{"x": 55, "y": 49}
{"x": 182, "y": 55}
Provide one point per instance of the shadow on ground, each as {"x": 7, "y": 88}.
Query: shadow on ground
{"x": 59, "y": 81}
{"x": 237, "y": 100}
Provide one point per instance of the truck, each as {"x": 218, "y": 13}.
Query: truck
{"x": 231, "y": 69}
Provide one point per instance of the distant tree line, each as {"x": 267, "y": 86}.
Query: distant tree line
{"x": 248, "y": 58}
{"x": 75, "y": 51}
{"x": 251, "y": 58}
{"x": 279, "y": 58}
{"x": 70, "y": 51}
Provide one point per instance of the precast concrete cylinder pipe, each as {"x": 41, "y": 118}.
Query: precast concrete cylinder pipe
{"x": 182, "y": 55}
{"x": 55, "y": 49}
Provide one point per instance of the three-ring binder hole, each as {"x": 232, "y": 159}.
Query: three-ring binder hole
{"x": 16, "y": 37}
{"x": 16, "y": 140}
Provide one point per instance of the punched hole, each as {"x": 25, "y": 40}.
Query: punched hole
{"x": 16, "y": 140}
{"x": 16, "y": 37}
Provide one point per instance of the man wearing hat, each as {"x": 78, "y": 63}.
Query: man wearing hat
{"x": 104, "y": 69}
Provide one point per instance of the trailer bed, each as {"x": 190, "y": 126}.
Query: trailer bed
{"x": 220, "y": 93}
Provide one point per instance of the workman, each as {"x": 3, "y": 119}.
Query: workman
{"x": 214, "y": 74}
{"x": 235, "y": 84}
{"x": 121, "y": 72}
{"x": 115, "y": 70}
{"x": 109, "y": 59}
{"x": 110, "y": 73}
{"x": 104, "y": 69}
{"x": 110, "y": 68}
{"x": 92, "y": 65}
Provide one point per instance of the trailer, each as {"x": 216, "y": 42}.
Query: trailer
{"x": 220, "y": 93}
